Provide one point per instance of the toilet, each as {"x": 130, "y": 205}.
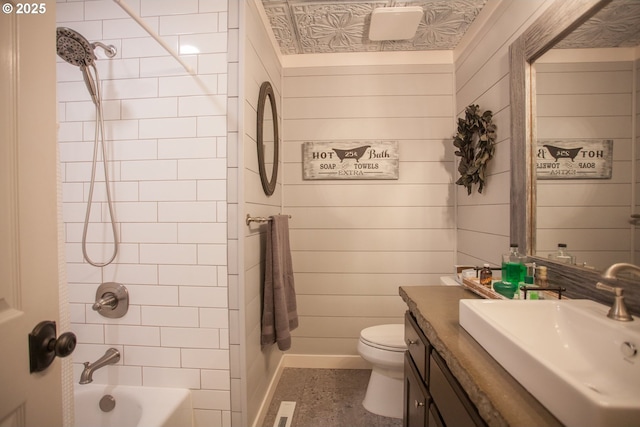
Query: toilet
{"x": 383, "y": 347}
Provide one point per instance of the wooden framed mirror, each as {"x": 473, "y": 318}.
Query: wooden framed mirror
{"x": 267, "y": 138}
{"x": 560, "y": 19}
{"x": 554, "y": 24}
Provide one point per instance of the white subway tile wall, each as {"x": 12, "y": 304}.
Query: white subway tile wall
{"x": 166, "y": 135}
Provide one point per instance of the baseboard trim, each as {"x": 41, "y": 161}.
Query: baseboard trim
{"x": 311, "y": 361}
{"x": 264, "y": 406}
{"x": 322, "y": 361}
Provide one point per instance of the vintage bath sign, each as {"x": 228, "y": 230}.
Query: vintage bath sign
{"x": 350, "y": 160}
{"x": 575, "y": 159}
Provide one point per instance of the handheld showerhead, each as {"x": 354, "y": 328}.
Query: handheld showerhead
{"x": 91, "y": 83}
{"x": 73, "y": 47}
{"x": 76, "y": 50}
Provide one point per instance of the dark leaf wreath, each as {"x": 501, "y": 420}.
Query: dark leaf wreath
{"x": 475, "y": 146}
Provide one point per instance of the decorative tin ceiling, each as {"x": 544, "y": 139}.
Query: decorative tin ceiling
{"x": 329, "y": 26}
{"x": 616, "y": 25}
{"x": 312, "y": 26}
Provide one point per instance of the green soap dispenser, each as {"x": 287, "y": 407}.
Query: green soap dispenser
{"x": 513, "y": 268}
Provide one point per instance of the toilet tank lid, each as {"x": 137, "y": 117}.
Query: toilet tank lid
{"x": 387, "y": 335}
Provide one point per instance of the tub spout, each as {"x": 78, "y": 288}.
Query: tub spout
{"x": 111, "y": 357}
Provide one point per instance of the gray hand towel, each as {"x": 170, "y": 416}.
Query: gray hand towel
{"x": 279, "y": 313}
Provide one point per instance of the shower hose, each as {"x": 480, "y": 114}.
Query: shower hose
{"x": 99, "y": 140}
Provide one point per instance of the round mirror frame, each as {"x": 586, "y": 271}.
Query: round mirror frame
{"x": 268, "y": 183}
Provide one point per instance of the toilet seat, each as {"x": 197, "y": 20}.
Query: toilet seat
{"x": 384, "y": 337}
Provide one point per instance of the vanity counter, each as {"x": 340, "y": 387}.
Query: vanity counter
{"x": 499, "y": 398}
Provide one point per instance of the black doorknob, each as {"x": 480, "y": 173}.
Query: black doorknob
{"x": 44, "y": 346}
{"x": 64, "y": 345}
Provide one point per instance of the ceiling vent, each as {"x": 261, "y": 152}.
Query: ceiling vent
{"x": 394, "y": 23}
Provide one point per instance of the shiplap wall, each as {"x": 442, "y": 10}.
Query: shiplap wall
{"x": 260, "y": 64}
{"x": 482, "y": 77}
{"x": 355, "y": 242}
{"x": 587, "y": 100}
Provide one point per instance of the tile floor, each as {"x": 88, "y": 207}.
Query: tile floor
{"x": 326, "y": 397}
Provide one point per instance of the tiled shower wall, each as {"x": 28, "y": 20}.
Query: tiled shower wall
{"x": 166, "y": 136}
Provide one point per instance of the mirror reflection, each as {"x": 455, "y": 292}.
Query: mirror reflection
{"x": 587, "y": 96}
{"x": 268, "y": 140}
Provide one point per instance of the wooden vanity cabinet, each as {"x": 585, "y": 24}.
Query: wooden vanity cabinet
{"x": 432, "y": 396}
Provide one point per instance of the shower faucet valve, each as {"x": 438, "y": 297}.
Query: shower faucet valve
{"x": 112, "y": 300}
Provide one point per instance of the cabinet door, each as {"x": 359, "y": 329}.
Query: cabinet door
{"x": 433, "y": 417}
{"x": 453, "y": 403}
{"x": 418, "y": 346}
{"x": 416, "y": 397}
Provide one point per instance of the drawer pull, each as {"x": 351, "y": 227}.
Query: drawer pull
{"x": 411, "y": 342}
{"x": 418, "y": 404}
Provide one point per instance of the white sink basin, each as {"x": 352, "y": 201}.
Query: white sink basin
{"x": 577, "y": 362}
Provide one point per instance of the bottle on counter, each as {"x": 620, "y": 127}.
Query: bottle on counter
{"x": 541, "y": 281}
{"x": 529, "y": 281}
{"x": 513, "y": 268}
{"x": 541, "y": 277}
{"x": 486, "y": 276}
{"x": 561, "y": 255}
{"x": 530, "y": 276}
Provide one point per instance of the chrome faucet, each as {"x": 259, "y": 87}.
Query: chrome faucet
{"x": 111, "y": 357}
{"x": 612, "y": 272}
{"x": 618, "y": 310}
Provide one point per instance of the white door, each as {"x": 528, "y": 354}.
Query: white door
{"x": 28, "y": 216}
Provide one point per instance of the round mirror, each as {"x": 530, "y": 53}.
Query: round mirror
{"x": 267, "y": 138}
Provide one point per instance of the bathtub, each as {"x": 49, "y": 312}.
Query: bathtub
{"x": 134, "y": 406}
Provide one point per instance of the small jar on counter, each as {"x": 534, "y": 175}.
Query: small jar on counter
{"x": 486, "y": 276}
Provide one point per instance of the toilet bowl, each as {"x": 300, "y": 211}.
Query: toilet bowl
{"x": 383, "y": 346}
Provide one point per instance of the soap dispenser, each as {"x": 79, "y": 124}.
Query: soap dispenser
{"x": 513, "y": 268}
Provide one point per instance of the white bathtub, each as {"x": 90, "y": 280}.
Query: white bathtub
{"x": 134, "y": 406}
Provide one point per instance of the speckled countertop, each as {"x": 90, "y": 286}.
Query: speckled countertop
{"x": 500, "y": 399}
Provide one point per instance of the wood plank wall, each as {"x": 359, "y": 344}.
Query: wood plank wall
{"x": 355, "y": 242}
{"x": 257, "y": 366}
{"x": 482, "y": 78}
